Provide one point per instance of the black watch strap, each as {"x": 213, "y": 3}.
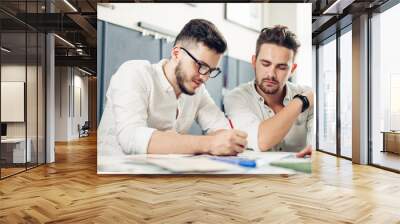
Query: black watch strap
{"x": 306, "y": 103}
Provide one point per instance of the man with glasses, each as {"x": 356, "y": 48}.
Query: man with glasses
{"x": 151, "y": 107}
{"x": 277, "y": 114}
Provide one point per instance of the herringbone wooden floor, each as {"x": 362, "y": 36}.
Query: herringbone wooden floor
{"x": 70, "y": 191}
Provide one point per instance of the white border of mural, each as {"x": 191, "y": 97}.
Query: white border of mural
{"x": 245, "y": 14}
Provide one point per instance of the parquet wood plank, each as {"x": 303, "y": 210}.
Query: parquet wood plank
{"x": 70, "y": 191}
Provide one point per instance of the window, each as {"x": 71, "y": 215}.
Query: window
{"x": 346, "y": 94}
{"x": 327, "y": 96}
{"x": 22, "y": 78}
{"x": 385, "y": 89}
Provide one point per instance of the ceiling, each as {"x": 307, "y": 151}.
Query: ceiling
{"x": 75, "y": 21}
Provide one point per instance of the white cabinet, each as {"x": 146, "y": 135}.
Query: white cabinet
{"x": 17, "y": 146}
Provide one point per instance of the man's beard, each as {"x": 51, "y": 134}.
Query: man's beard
{"x": 181, "y": 80}
{"x": 268, "y": 90}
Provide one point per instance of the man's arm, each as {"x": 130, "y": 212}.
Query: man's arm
{"x": 224, "y": 142}
{"x": 219, "y": 140}
{"x": 129, "y": 94}
{"x": 271, "y": 131}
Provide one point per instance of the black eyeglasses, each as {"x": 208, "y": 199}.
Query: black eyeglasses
{"x": 204, "y": 69}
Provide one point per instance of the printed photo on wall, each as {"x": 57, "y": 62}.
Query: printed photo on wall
{"x": 184, "y": 93}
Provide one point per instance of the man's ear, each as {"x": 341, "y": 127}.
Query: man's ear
{"x": 294, "y": 66}
{"x": 175, "y": 53}
{"x": 253, "y": 61}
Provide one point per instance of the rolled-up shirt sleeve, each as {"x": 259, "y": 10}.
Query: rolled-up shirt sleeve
{"x": 242, "y": 117}
{"x": 129, "y": 94}
{"x": 209, "y": 116}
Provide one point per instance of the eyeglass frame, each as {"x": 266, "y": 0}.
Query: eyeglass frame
{"x": 200, "y": 64}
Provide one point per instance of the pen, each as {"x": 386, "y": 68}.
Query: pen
{"x": 230, "y": 122}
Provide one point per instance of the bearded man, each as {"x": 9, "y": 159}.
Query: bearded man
{"x": 276, "y": 113}
{"x": 151, "y": 107}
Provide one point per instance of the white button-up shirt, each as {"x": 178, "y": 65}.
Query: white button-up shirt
{"x": 141, "y": 100}
{"x": 246, "y": 108}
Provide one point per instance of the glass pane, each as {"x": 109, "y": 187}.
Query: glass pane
{"x": 41, "y": 98}
{"x": 31, "y": 97}
{"x": 327, "y": 97}
{"x": 385, "y": 86}
{"x": 13, "y": 86}
{"x": 346, "y": 94}
{"x": 23, "y": 82}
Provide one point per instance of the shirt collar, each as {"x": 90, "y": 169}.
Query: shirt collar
{"x": 255, "y": 93}
{"x": 289, "y": 94}
{"x": 288, "y": 97}
{"x": 166, "y": 85}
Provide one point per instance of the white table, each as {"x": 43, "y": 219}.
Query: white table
{"x": 107, "y": 164}
{"x": 19, "y": 154}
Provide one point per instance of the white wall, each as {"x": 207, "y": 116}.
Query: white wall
{"x": 80, "y": 83}
{"x": 16, "y": 72}
{"x": 68, "y": 81}
{"x": 297, "y": 17}
{"x": 33, "y": 126}
{"x": 62, "y": 81}
{"x": 241, "y": 41}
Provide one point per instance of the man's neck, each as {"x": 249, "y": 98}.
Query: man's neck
{"x": 273, "y": 100}
{"x": 169, "y": 73}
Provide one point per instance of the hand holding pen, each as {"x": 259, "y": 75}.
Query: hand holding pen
{"x": 231, "y": 126}
{"x": 227, "y": 142}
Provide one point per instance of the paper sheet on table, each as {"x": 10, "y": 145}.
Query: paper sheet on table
{"x": 183, "y": 163}
{"x": 263, "y": 158}
{"x": 188, "y": 164}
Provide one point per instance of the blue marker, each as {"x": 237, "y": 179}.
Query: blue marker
{"x": 237, "y": 161}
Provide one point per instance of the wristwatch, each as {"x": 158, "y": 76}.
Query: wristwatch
{"x": 306, "y": 103}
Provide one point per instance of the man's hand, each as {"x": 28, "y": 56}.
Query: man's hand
{"x": 228, "y": 142}
{"x": 306, "y": 151}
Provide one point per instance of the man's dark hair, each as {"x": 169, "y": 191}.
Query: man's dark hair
{"x": 279, "y": 35}
{"x": 200, "y": 30}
